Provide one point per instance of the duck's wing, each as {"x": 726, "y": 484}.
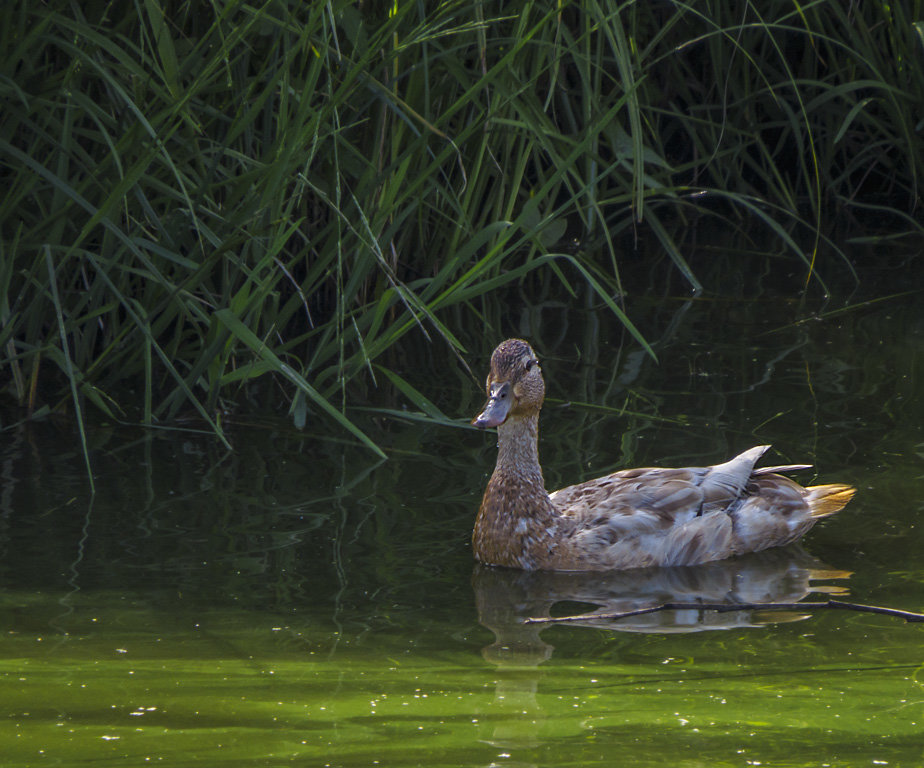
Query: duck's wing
{"x": 648, "y": 497}
{"x": 656, "y": 498}
{"x": 654, "y": 516}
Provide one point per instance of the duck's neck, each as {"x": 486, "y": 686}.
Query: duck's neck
{"x": 517, "y": 522}
{"x": 518, "y": 450}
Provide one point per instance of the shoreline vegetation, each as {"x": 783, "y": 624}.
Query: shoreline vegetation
{"x": 198, "y": 197}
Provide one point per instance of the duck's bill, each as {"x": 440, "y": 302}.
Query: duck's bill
{"x": 497, "y": 408}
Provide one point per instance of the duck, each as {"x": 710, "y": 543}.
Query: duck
{"x": 632, "y": 518}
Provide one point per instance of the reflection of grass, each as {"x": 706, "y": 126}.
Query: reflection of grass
{"x": 197, "y": 200}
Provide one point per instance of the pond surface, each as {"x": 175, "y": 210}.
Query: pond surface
{"x": 296, "y": 601}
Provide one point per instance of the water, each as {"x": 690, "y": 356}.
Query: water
{"x": 296, "y": 602}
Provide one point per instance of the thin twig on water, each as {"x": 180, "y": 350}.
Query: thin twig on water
{"x": 908, "y": 616}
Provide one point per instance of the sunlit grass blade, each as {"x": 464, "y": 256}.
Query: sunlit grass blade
{"x": 69, "y": 367}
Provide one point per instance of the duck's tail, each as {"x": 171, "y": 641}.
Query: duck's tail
{"x": 824, "y": 500}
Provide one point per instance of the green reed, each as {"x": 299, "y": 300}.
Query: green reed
{"x": 201, "y": 196}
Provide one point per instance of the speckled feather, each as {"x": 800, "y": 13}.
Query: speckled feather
{"x": 632, "y": 518}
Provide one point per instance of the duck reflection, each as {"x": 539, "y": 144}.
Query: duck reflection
{"x": 506, "y": 598}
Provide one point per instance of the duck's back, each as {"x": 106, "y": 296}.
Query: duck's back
{"x": 644, "y": 517}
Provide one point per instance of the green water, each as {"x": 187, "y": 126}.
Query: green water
{"x": 296, "y": 602}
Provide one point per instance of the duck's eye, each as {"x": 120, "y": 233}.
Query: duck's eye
{"x": 530, "y": 364}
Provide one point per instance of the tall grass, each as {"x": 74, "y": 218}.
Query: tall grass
{"x": 200, "y": 196}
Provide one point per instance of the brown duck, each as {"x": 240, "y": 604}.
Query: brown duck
{"x": 632, "y": 518}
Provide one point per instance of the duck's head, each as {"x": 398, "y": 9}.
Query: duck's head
{"x": 515, "y": 387}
